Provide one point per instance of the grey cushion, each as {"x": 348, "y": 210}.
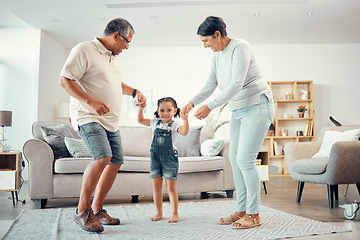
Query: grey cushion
{"x": 54, "y": 136}
{"x": 310, "y": 165}
{"x": 189, "y": 145}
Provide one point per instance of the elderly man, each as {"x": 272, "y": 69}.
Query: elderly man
{"x": 91, "y": 76}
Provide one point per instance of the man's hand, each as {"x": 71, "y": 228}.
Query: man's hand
{"x": 185, "y": 110}
{"x": 98, "y": 106}
{"x": 202, "y": 112}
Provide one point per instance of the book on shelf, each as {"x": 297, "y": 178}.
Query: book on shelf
{"x": 308, "y": 129}
{"x": 276, "y": 150}
{"x": 310, "y": 132}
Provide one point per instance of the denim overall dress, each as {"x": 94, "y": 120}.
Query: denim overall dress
{"x": 164, "y": 159}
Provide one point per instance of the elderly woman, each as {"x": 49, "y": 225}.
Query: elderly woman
{"x": 236, "y": 72}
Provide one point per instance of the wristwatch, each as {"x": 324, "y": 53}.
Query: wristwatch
{"x": 134, "y": 93}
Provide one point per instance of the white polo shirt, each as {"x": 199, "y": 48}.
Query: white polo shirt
{"x": 97, "y": 71}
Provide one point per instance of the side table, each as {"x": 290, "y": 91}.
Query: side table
{"x": 10, "y": 166}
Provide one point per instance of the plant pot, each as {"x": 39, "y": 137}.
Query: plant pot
{"x": 301, "y": 114}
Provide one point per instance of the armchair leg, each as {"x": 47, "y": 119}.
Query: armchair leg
{"x": 300, "y": 189}
{"x": 332, "y": 190}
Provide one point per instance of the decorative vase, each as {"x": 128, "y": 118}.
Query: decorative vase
{"x": 301, "y": 114}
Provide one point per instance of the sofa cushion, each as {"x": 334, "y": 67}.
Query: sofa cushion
{"x": 142, "y": 164}
{"x": 37, "y": 133}
{"x": 310, "y": 165}
{"x": 136, "y": 141}
{"x": 54, "y": 136}
{"x": 189, "y": 145}
{"x": 201, "y": 164}
{"x": 71, "y": 165}
{"x": 76, "y": 147}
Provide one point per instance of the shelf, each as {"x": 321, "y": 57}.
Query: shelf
{"x": 287, "y": 137}
{"x": 293, "y": 100}
{"x": 289, "y": 95}
{"x": 293, "y": 119}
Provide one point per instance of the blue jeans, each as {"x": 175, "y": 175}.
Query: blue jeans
{"x": 247, "y": 133}
{"x": 102, "y": 143}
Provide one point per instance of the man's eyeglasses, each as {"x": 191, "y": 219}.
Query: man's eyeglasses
{"x": 127, "y": 41}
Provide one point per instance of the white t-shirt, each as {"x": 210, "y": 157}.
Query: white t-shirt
{"x": 97, "y": 71}
{"x": 174, "y": 128}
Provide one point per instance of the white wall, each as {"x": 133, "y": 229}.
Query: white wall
{"x": 18, "y": 65}
{"x": 52, "y": 58}
{"x": 181, "y": 71}
{"x": 30, "y": 64}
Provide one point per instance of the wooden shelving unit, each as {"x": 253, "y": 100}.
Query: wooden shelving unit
{"x": 287, "y": 97}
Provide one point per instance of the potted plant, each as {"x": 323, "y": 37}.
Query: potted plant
{"x": 301, "y": 110}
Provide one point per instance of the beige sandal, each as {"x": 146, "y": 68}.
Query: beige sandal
{"x": 245, "y": 224}
{"x": 228, "y": 220}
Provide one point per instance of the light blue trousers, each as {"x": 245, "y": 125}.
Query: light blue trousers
{"x": 247, "y": 133}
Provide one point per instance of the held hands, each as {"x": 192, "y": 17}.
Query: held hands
{"x": 141, "y": 99}
{"x": 200, "y": 114}
{"x": 185, "y": 110}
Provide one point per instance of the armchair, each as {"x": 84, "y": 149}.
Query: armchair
{"x": 341, "y": 167}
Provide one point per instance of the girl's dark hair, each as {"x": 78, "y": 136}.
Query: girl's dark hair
{"x": 167, "y": 99}
{"x": 210, "y": 25}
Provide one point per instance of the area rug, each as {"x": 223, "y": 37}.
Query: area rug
{"x": 198, "y": 221}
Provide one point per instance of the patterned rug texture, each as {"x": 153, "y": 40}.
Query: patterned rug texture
{"x": 198, "y": 220}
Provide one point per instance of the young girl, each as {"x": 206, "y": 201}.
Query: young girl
{"x": 164, "y": 162}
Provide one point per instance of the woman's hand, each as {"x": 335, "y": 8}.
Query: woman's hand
{"x": 202, "y": 112}
{"x": 185, "y": 110}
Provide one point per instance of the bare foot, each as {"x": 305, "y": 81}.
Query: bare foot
{"x": 174, "y": 219}
{"x": 157, "y": 217}
{"x": 234, "y": 217}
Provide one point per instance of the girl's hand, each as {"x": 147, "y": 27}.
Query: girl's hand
{"x": 185, "y": 110}
{"x": 202, "y": 112}
{"x": 141, "y": 100}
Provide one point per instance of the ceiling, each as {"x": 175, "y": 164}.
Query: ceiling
{"x": 174, "y": 22}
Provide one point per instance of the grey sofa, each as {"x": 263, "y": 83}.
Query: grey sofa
{"x": 341, "y": 167}
{"x": 51, "y": 178}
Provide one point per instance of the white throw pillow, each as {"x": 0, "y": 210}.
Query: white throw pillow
{"x": 76, "y": 148}
{"x": 331, "y": 137}
{"x": 211, "y": 147}
{"x": 223, "y": 132}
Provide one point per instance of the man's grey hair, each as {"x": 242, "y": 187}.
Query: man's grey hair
{"x": 120, "y": 26}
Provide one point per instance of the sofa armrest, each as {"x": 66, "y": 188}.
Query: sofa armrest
{"x": 41, "y": 160}
{"x": 344, "y": 162}
{"x": 300, "y": 150}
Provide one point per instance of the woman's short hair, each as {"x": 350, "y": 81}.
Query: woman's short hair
{"x": 120, "y": 26}
{"x": 210, "y": 25}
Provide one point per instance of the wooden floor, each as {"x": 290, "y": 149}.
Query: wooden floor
{"x": 281, "y": 195}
